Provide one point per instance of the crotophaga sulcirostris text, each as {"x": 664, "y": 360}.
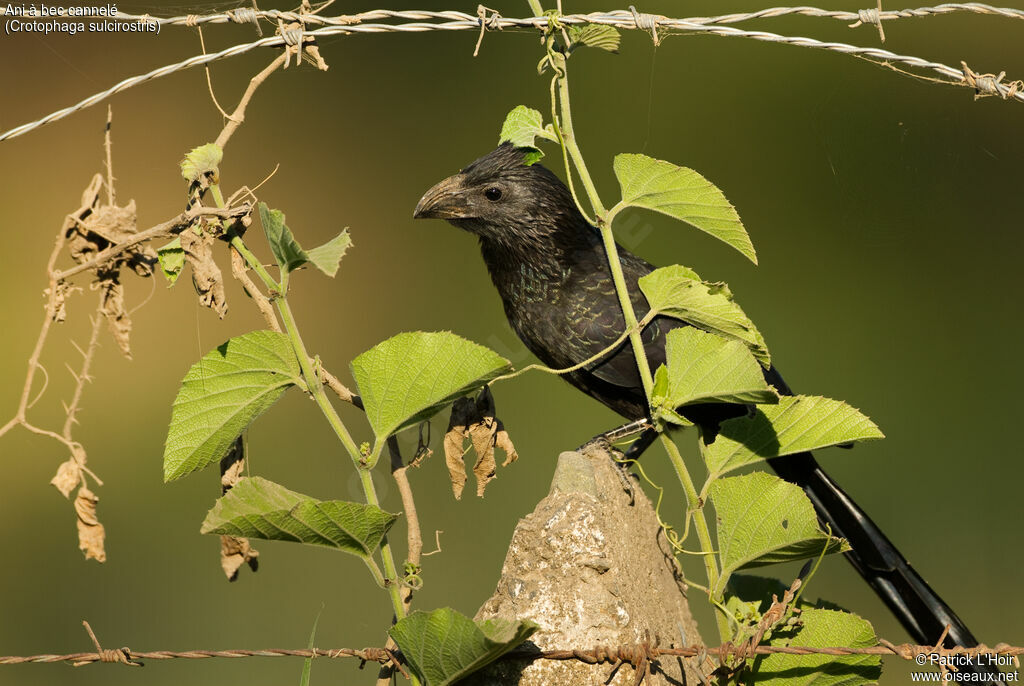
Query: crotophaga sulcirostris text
{"x": 550, "y": 268}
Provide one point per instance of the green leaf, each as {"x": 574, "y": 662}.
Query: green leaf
{"x": 290, "y": 255}
{"x": 659, "y": 392}
{"x": 683, "y": 194}
{"x": 703, "y": 367}
{"x": 222, "y": 394}
{"x": 763, "y": 520}
{"x": 821, "y": 628}
{"x": 795, "y": 425}
{"x": 444, "y": 646}
{"x": 172, "y": 260}
{"x": 677, "y": 291}
{"x": 410, "y": 377}
{"x": 287, "y": 251}
{"x": 595, "y": 36}
{"x": 522, "y": 127}
{"x": 663, "y": 408}
{"x": 818, "y": 625}
{"x": 201, "y": 160}
{"x": 257, "y": 508}
{"x": 327, "y": 257}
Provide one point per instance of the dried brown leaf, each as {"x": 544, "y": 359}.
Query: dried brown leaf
{"x": 113, "y": 308}
{"x": 90, "y": 532}
{"x": 116, "y": 225}
{"x": 475, "y": 419}
{"x": 235, "y": 552}
{"x": 502, "y": 440}
{"x": 68, "y": 475}
{"x": 82, "y": 243}
{"x": 81, "y": 247}
{"x": 481, "y": 433}
{"x": 94, "y": 227}
{"x": 91, "y": 194}
{"x": 232, "y": 465}
{"x": 206, "y": 275}
{"x": 62, "y": 290}
{"x": 113, "y": 223}
{"x": 454, "y": 439}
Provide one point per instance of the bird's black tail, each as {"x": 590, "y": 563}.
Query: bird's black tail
{"x": 920, "y": 609}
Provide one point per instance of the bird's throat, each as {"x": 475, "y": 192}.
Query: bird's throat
{"x": 534, "y": 271}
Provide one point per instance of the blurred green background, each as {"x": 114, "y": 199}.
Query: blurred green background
{"x": 882, "y": 208}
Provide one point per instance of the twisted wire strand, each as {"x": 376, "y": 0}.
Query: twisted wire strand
{"x": 885, "y": 15}
{"x": 904, "y": 651}
{"x": 459, "y": 21}
{"x": 368, "y": 654}
{"x": 249, "y": 15}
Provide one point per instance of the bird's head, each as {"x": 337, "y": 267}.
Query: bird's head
{"x": 501, "y": 198}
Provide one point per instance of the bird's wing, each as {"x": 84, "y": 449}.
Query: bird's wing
{"x": 593, "y": 327}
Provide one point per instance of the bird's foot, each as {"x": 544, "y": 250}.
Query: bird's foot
{"x": 620, "y": 432}
{"x": 604, "y": 442}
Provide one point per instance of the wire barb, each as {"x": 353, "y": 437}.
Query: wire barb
{"x": 121, "y": 656}
{"x": 244, "y": 15}
{"x": 293, "y": 36}
{"x": 872, "y": 15}
{"x": 646, "y": 22}
{"x": 491, "y": 23}
{"x": 985, "y": 85}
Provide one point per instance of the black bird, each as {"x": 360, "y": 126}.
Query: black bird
{"x": 549, "y": 266}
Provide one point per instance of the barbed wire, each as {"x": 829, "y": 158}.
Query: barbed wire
{"x": 127, "y": 656}
{"x": 984, "y": 84}
{"x": 249, "y": 15}
{"x": 598, "y": 654}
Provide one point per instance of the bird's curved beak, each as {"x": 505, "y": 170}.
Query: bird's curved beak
{"x": 443, "y": 201}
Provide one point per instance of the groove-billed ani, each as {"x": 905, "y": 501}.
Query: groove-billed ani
{"x": 550, "y": 268}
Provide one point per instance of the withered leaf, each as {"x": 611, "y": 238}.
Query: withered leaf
{"x": 235, "y": 552}
{"x": 112, "y": 307}
{"x": 91, "y": 195}
{"x": 232, "y": 465}
{"x": 116, "y": 225}
{"x": 90, "y": 532}
{"x": 68, "y": 475}
{"x": 474, "y": 419}
{"x": 454, "y": 439}
{"x": 502, "y": 440}
{"x": 62, "y": 289}
{"x": 94, "y": 227}
{"x": 206, "y": 275}
{"x": 90, "y": 200}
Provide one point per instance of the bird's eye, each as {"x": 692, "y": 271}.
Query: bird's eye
{"x": 493, "y": 194}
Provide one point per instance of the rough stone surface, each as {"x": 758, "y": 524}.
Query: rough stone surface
{"x": 592, "y": 570}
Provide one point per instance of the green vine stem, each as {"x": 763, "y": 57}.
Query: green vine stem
{"x": 563, "y": 126}
{"x": 564, "y": 129}
{"x": 695, "y": 509}
{"x": 316, "y": 389}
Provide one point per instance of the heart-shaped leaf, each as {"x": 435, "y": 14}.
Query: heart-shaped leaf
{"x": 795, "y": 425}
{"x": 763, "y": 520}
{"x": 410, "y": 377}
{"x": 257, "y": 508}
{"x": 683, "y": 194}
{"x": 444, "y": 646}
{"x": 222, "y": 394}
